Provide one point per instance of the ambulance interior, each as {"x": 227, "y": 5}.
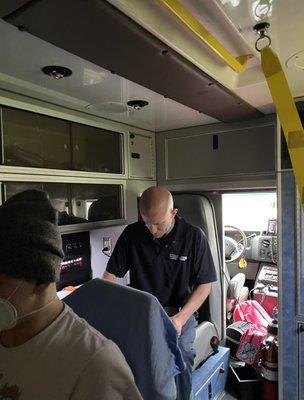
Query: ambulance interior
{"x": 102, "y": 99}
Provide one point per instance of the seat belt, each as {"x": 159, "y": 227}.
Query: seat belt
{"x": 286, "y": 109}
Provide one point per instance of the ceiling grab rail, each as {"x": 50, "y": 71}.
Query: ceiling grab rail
{"x": 236, "y": 63}
{"x": 284, "y": 104}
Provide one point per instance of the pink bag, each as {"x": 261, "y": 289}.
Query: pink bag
{"x": 250, "y": 344}
{"x": 251, "y": 311}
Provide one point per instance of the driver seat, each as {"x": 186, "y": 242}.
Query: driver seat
{"x": 198, "y": 210}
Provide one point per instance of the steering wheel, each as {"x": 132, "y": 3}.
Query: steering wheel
{"x": 234, "y": 249}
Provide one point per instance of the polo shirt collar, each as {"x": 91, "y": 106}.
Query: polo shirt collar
{"x": 177, "y": 232}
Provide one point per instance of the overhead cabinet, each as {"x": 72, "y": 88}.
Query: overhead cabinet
{"x": 39, "y": 141}
{"x": 96, "y": 150}
{"x": 230, "y": 152}
{"x": 34, "y": 140}
{"x": 141, "y": 158}
{"x": 76, "y": 202}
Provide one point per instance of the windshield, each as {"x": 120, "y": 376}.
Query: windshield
{"x": 249, "y": 211}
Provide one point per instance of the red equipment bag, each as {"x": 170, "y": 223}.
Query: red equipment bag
{"x": 251, "y": 311}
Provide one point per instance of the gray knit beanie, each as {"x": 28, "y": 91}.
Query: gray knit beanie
{"x": 30, "y": 241}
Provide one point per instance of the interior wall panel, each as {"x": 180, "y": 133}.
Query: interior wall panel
{"x": 217, "y": 153}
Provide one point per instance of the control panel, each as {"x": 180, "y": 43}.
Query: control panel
{"x": 263, "y": 248}
{"x": 266, "y": 288}
{"x": 268, "y": 275}
{"x": 76, "y": 265}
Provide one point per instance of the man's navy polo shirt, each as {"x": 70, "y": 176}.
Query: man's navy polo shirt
{"x": 169, "y": 268}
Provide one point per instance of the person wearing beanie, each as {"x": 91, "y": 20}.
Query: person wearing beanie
{"x": 46, "y": 351}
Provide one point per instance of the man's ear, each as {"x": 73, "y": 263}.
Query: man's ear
{"x": 175, "y": 211}
{"x": 40, "y": 287}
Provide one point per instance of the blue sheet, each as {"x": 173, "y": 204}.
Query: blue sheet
{"x": 137, "y": 323}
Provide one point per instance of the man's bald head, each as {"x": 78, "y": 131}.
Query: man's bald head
{"x": 157, "y": 210}
{"x": 155, "y": 199}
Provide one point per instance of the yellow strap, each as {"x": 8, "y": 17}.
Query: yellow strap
{"x": 181, "y": 12}
{"x": 287, "y": 112}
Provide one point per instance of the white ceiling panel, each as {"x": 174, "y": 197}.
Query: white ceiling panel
{"x": 90, "y": 88}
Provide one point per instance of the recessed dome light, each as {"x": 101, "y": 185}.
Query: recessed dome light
{"x": 137, "y": 104}
{"x": 56, "y": 71}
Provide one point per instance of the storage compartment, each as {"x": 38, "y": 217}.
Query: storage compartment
{"x": 141, "y": 157}
{"x": 246, "y": 382}
{"x": 97, "y": 202}
{"x": 209, "y": 380}
{"x": 58, "y": 193}
{"x": 34, "y": 140}
{"x": 96, "y": 149}
{"x": 203, "y": 155}
{"x": 77, "y": 202}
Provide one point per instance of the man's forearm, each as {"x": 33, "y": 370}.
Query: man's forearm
{"x": 193, "y": 304}
{"x": 109, "y": 277}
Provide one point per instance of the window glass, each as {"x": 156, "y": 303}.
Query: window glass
{"x": 249, "y": 211}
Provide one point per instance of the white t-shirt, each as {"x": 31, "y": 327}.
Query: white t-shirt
{"x": 69, "y": 360}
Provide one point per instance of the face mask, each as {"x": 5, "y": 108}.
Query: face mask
{"x": 9, "y": 315}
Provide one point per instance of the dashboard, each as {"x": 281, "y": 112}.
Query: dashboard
{"x": 262, "y": 248}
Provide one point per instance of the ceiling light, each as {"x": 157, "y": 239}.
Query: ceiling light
{"x": 56, "y": 71}
{"x": 137, "y": 104}
{"x": 234, "y": 3}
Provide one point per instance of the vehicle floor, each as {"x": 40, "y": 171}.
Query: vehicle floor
{"x": 229, "y": 394}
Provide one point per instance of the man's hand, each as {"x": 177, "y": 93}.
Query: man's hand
{"x": 178, "y": 323}
{"x": 196, "y": 300}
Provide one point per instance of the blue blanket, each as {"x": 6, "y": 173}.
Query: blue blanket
{"x": 137, "y": 323}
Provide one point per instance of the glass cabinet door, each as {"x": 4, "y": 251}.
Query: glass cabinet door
{"x": 97, "y": 202}
{"x": 34, "y": 140}
{"x": 89, "y": 202}
{"x": 58, "y": 194}
{"x": 96, "y": 149}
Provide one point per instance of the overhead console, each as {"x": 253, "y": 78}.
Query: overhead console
{"x": 101, "y": 34}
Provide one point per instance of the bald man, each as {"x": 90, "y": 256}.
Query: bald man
{"x": 171, "y": 259}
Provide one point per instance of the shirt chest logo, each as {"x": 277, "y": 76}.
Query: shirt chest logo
{"x": 177, "y": 257}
